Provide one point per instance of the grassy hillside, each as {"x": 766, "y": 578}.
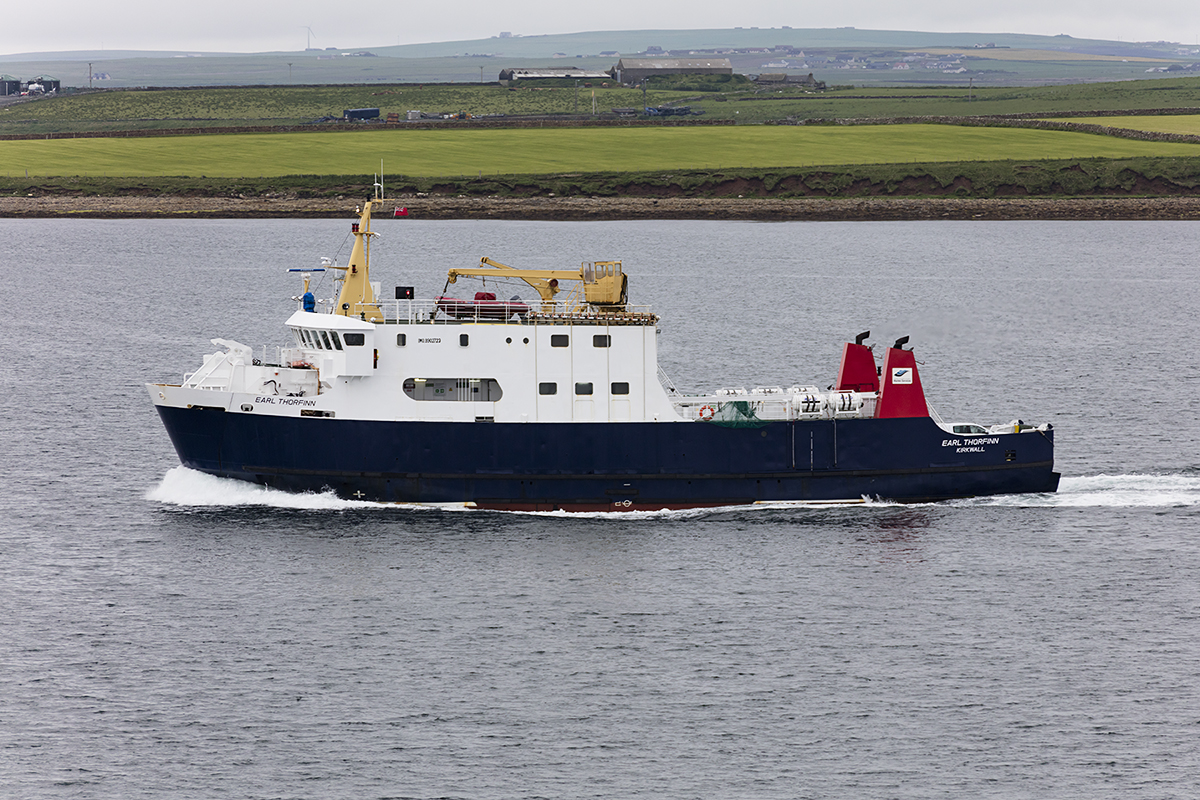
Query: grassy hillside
{"x": 125, "y": 110}
{"x": 460, "y": 157}
{"x": 1187, "y": 124}
{"x": 1137, "y": 177}
{"x": 958, "y": 101}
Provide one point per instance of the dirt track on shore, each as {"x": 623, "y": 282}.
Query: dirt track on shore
{"x": 617, "y": 208}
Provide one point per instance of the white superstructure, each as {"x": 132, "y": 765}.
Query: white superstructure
{"x": 589, "y": 358}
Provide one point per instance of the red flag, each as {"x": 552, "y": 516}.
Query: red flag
{"x": 401, "y": 212}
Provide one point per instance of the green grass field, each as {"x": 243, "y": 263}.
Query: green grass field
{"x": 1188, "y": 124}
{"x": 959, "y": 101}
{"x": 182, "y": 108}
{"x": 543, "y": 151}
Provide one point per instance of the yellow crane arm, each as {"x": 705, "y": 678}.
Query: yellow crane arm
{"x": 544, "y": 281}
{"x": 604, "y": 282}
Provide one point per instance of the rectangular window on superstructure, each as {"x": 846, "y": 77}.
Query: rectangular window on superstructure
{"x": 354, "y": 339}
{"x": 560, "y": 340}
{"x": 486, "y": 390}
{"x": 401, "y": 339}
{"x": 547, "y": 388}
{"x": 325, "y": 340}
{"x": 583, "y": 388}
{"x": 620, "y": 388}
{"x": 464, "y": 339}
{"x": 601, "y": 340}
{"x": 337, "y": 345}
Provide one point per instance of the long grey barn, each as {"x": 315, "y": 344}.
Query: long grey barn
{"x": 633, "y": 70}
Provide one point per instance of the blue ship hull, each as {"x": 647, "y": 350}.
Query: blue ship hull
{"x": 611, "y": 466}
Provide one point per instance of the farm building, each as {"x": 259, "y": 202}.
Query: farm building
{"x": 48, "y": 83}
{"x": 510, "y": 74}
{"x": 9, "y": 85}
{"x": 634, "y": 70}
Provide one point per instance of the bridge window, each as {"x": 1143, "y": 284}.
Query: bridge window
{"x": 354, "y": 339}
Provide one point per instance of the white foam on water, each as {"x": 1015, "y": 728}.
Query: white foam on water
{"x": 193, "y": 489}
{"x": 1107, "y": 491}
{"x": 189, "y": 488}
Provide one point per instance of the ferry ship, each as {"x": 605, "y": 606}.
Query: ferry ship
{"x": 559, "y": 404}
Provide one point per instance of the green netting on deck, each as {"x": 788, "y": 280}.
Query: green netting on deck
{"x": 737, "y": 414}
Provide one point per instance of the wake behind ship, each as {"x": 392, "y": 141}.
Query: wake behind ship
{"x": 559, "y": 404}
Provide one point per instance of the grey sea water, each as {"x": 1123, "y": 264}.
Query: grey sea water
{"x": 168, "y": 634}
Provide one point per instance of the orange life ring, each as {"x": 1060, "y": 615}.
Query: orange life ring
{"x": 707, "y": 412}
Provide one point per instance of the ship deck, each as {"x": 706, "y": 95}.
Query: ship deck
{"x": 427, "y": 312}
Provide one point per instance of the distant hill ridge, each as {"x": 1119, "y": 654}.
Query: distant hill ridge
{"x": 592, "y": 43}
{"x": 752, "y": 50}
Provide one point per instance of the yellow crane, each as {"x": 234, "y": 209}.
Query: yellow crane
{"x": 605, "y": 285}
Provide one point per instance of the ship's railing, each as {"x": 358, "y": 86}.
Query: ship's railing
{"x": 775, "y": 403}
{"x": 454, "y": 312}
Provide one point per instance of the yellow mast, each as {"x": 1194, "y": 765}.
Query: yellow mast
{"x": 357, "y": 299}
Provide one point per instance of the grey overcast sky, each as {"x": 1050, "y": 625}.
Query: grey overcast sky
{"x": 262, "y": 25}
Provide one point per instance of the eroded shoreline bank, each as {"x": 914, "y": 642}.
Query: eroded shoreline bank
{"x": 620, "y": 208}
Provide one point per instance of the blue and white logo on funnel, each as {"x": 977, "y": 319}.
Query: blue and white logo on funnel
{"x": 902, "y": 374}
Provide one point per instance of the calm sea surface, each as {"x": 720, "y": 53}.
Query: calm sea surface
{"x": 168, "y": 634}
